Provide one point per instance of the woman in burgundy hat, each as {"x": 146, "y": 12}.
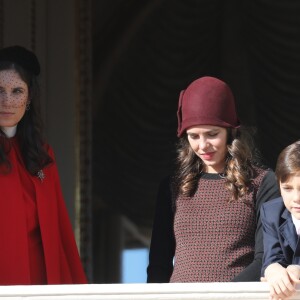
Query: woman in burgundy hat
{"x": 207, "y": 224}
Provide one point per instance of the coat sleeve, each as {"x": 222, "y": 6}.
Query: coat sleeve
{"x": 268, "y": 190}
{"x": 273, "y": 252}
{"x": 162, "y": 247}
{"x": 71, "y": 267}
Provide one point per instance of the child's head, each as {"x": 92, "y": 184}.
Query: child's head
{"x": 288, "y": 163}
{"x": 288, "y": 177}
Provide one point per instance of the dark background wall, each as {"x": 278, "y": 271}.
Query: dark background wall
{"x": 112, "y": 73}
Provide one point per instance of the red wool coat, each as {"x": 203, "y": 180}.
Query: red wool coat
{"x": 35, "y": 232}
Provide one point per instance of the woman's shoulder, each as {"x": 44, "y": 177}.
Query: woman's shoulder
{"x": 266, "y": 185}
{"x": 51, "y": 161}
{"x": 263, "y": 172}
{"x": 264, "y": 179}
{"x": 49, "y": 149}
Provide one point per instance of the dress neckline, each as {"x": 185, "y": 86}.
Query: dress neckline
{"x": 215, "y": 176}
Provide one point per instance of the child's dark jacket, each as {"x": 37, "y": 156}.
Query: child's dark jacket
{"x": 281, "y": 242}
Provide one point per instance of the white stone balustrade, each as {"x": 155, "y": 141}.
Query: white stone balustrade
{"x": 171, "y": 291}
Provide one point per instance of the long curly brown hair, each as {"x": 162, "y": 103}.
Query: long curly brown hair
{"x": 239, "y": 168}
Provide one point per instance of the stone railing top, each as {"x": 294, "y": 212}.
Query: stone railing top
{"x": 169, "y": 291}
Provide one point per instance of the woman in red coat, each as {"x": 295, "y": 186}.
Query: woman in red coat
{"x": 37, "y": 241}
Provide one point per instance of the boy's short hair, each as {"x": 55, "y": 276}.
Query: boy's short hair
{"x": 288, "y": 162}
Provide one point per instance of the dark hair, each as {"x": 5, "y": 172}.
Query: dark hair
{"x": 29, "y": 129}
{"x": 239, "y": 169}
{"x": 288, "y": 162}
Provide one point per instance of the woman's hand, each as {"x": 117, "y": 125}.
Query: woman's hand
{"x": 282, "y": 281}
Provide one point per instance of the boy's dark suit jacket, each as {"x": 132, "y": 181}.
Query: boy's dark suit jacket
{"x": 281, "y": 242}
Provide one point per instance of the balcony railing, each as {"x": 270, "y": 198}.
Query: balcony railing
{"x": 171, "y": 291}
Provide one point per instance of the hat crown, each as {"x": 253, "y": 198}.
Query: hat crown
{"x": 206, "y": 101}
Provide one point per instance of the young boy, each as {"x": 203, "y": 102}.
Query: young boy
{"x": 281, "y": 227}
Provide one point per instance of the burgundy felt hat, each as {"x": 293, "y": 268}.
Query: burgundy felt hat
{"x": 206, "y": 101}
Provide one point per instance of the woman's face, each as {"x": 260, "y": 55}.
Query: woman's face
{"x": 13, "y": 98}
{"x": 210, "y": 144}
